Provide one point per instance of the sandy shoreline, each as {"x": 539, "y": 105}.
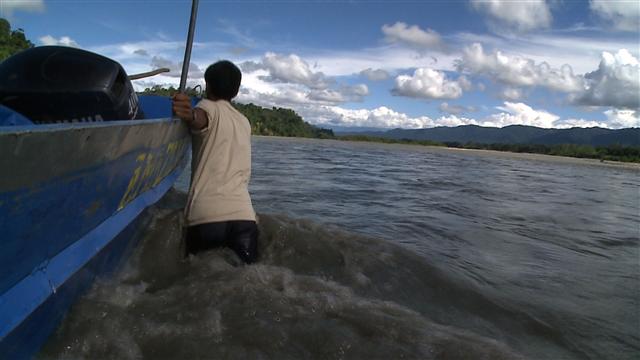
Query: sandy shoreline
{"x": 474, "y": 152}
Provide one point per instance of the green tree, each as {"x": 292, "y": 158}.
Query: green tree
{"x": 280, "y": 122}
{"x": 11, "y": 41}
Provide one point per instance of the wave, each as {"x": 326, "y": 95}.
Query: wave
{"x": 316, "y": 292}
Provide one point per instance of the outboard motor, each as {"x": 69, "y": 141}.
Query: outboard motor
{"x": 54, "y": 84}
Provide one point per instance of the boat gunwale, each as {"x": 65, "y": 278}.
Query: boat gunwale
{"x": 35, "y": 128}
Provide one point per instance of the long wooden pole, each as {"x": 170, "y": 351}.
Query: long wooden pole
{"x": 187, "y": 50}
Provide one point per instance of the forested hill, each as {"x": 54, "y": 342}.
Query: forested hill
{"x": 280, "y": 122}
{"x": 264, "y": 121}
{"x": 517, "y": 134}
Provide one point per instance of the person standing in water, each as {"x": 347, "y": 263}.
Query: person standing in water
{"x": 219, "y": 210}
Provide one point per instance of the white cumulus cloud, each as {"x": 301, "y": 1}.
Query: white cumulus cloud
{"x": 520, "y": 114}
{"x": 556, "y": 48}
{"x": 358, "y": 90}
{"x": 375, "y": 75}
{"x": 518, "y": 71}
{"x": 277, "y": 74}
{"x": 323, "y": 111}
{"x": 622, "y": 15}
{"x": 511, "y": 93}
{"x": 623, "y": 118}
{"x": 380, "y": 117}
{"x": 176, "y": 68}
{"x": 515, "y": 15}
{"x": 616, "y": 83}
{"x": 412, "y": 35}
{"x": 344, "y": 94}
{"x": 327, "y": 95}
{"x": 571, "y": 123}
{"x": 289, "y": 97}
{"x": 295, "y": 96}
{"x": 62, "y": 41}
{"x": 288, "y": 69}
{"x": 455, "y": 109}
{"x": 430, "y": 84}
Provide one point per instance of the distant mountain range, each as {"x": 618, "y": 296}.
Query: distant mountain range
{"x": 514, "y": 134}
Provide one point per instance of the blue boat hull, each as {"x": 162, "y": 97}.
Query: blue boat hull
{"x": 72, "y": 197}
{"x": 34, "y": 331}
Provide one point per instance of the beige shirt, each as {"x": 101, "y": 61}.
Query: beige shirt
{"x": 220, "y": 167}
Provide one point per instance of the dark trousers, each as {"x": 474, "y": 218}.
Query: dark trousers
{"x": 239, "y": 235}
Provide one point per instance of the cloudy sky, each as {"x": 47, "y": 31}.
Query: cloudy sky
{"x": 379, "y": 64}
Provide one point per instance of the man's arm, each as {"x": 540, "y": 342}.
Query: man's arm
{"x": 196, "y": 119}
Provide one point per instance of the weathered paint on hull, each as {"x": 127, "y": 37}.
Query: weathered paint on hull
{"x": 25, "y": 340}
{"x": 68, "y": 198}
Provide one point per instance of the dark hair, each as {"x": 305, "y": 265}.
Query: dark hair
{"x": 223, "y": 80}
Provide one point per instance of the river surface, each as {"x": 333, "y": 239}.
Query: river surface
{"x": 373, "y": 251}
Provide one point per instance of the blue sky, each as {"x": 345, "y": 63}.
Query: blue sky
{"x": 381, "y": 64}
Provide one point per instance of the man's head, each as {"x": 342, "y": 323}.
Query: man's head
{"x": 223, "y": 80}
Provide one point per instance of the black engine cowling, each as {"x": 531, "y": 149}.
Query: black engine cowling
{"x": 53, "y": 84}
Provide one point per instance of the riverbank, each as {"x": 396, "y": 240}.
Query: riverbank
{"x": 612, "y": 152}
{"x": 476, "y": 152}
